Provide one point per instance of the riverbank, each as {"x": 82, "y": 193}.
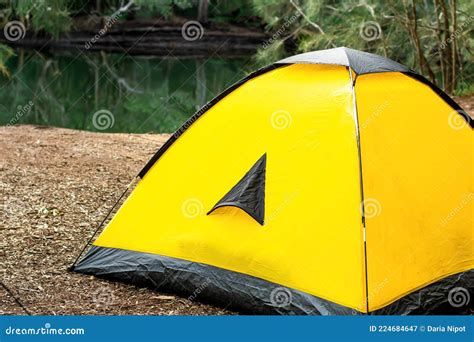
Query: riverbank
{"x": 154, "y": 37}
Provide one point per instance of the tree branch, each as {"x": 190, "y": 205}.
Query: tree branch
{"x": 316, "y": 26}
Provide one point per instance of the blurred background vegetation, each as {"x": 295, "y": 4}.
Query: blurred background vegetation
{"x": 147, "y": 93}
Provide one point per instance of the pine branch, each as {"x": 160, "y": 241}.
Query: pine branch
{"x": 316, "y": 26}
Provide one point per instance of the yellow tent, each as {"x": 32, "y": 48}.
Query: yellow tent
{"x": 332, "y": 182}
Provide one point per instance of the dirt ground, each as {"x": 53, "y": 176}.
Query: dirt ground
{"x": 467, "y": 103}
{"x": 56, "y": 185}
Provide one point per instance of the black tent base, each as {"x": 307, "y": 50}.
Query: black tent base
{"x": 247, "y": 294}
{"x": 452, "y": 295}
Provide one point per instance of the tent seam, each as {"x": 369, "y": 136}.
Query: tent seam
{"x": 361, "y": 183}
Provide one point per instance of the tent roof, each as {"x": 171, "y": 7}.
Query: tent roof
{"x": 360, "y": 62}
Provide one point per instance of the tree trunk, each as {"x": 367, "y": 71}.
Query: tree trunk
{"x": 413, "y": 30}
{"x": 439, "y": 36}
{"x": 453, "y": 46}
{"x": 203, "y": 11}
{"x": 447, "y": 49}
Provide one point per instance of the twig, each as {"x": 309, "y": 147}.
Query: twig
{"x": 122, "y": 8}
{"x": 120, "y": 80}
{"x": 17, "y": 300}
{"x": 316, "y": 26}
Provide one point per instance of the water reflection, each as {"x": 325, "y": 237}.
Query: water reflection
{"x": 144, "y": 94}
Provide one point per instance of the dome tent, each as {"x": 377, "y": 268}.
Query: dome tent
{"x": 332, "y": 182}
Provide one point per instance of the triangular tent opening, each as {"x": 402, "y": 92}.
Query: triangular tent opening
{"x": 249, "y": 193}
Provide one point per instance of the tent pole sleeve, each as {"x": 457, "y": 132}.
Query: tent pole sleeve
{"x": 362, "y": 208}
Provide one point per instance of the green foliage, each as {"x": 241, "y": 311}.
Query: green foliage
{"x": 272, "y": 12}
{"x": 163, "y": 7}
{"x": 240, "y": 12}
{"x": 381, "y": 27}
{"x": 5, "y": 53}
{"x": 50, "y": 16}
{"x": 272, "y": 52}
